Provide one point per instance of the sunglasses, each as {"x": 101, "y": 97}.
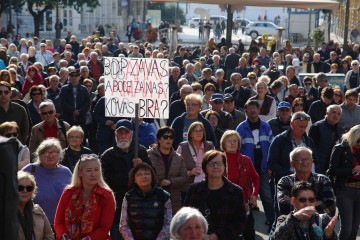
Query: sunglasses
{"x": 284, "y": 109}
{"x": 32, "y": 70}
{"x": 36, "y": 94}
{"x": 354, "y": 64}
{"x": 308, "y": 83}
{"x": 218, "y": 102}
{"x": 213, "y": 164}
{"x": 299, "y": 105}
{"x": 166, "y": 137}
{"x": 210, "y": 89}
{"x": 9, "y": 135}
{"x": 4, "y": 74}
{"x": 337, "y": 95}
{"x": 28, "y": 188}
{"x": 229, "y": 101}
{"x": 5, "y": 92}
{"x": 303, "y": 200}
{"x": 47, "y": 113}
{"x": 252, "y": 78}
{"x": 302, "y": 119}
{"x": 88, "y": 85}
{"x": 74, "y": 74}
{"x": 88, "y": 156}
{"x": 196, "y": 89}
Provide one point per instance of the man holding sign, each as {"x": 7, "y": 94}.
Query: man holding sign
{"x": 117, "y": 162}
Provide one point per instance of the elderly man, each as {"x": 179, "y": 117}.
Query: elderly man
{"x": 241, "y": 94}
{"x": 316, "y": 66}
{"x": 242, "y": 68}
{"x": 178, "y": 107}
{"x": 229, "y": 106}
{"x": 207, "y": 77}
{"x": 350, "y": 110}
{"x": 49, "y": 127}
{"x": 301, "y": 161}
{"x": 225, "y": 119}
{"x": 117, "y": 162}
{"x": 325, "y": 134}
{"x": 216, "y": 65}
{"x": 256, "y": 138}
{"x": 282, "y": 122}
{"x": 121, "y": 50}
{"x": 74, "y": 100}
{"x": 95, "y": 66}
{"x": 189, "y": 74}
{"x": 85, "y": 74}
{"x": 45, "y": 57}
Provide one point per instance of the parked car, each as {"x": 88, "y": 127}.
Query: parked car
{"x": 194, "y": 22}
{"x": 254, "y": 29}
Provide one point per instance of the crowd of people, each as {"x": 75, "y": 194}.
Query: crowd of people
{"x": 242, "y": 125}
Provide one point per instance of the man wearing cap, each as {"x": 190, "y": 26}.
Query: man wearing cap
{"x": 256, "y": 137}
{"x": 282, "y": 122}
{"x": 74, "y": 100}
{"x": 135, "y": 53}
{"x": 225, "y": 118}
{"x": 325, "y": 134}
{"x": 229, "y": 106}
{"x": 117, "y": 162}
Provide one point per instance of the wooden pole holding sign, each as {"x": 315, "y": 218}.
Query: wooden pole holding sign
{"x": 136, "y": 130}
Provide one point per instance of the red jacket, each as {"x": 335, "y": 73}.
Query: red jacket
{"x": 241, "y": 171}
{"x": 95, "y": 219}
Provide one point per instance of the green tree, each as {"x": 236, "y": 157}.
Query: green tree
{"x": 51, "y": 4}
{"x": 168, "y": 11}
{"x": 4, "y": 4}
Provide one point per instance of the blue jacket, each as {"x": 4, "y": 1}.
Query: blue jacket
{"x": 247, "y": 141}
{"x": 178, "y": 126}
{"x": 147, "y": 134}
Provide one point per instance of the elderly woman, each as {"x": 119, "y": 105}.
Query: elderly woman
{"x": 352, "y": 76}
{"x": 169, "y": 165}
{"x": 146, "y": 208}
{"x": 219, "y": 200}
{"x": 267, "y": 103}
{"x": 11, "y": 130}
{"x": 193, "y": 103}
{"x": 75, "y": 137}
{"x": 344, "y": 169}
{"x": 304, "y": 222}
{"x": 33, "y": 223}
{"x": 51, "y": 177}
{"x": 13, "y": 52}
{"x": 188, "y": 224}
{"x": 241, "y": 171}
{"x": 192, "y": 152}
{"x": 87, "y": 206}
{"x": 284, "y": 92}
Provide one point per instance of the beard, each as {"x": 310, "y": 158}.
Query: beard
{"x": 122, "y": 144}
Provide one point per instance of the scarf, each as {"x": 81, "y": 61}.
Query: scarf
{"x": 26, "y": 220}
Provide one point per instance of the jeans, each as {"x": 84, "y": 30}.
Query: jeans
{"x": 115, "y": 232}
{"x": 266, "y": 198}
{"x": 348, "y": 203}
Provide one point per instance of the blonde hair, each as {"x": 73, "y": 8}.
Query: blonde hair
{"x": 25, "y": 175}
{"x": 352, "y": 135}
{"x": 75, "y": 129}
{"x": 226, "y": 135}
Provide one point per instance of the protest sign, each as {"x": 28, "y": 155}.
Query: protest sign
{"x": 144, "y": 81}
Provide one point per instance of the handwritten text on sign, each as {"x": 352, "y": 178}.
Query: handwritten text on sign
{"x": 136, "y": 80}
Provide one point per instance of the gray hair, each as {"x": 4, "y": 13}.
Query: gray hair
{"x": 331, "y": 107}
{"x": 298, "y": 150}
{"x": 182, "y": 216}
{"x": 182, "y": 81}
{"x": 45, "y": 145}
{"x": 298, "y": 115}
{"x": 47, "y": 103}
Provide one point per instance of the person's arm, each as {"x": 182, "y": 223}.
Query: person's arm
{"x": 165, "y": 231}
{"x": 124, "y": 227}
{"x": 59, "y": 221}
{"x": 24, "y": 126}
{"x": 284, "y": 195}
{"x": 106, "y": 217}
{"x": 314, "y": 133}
{"x": 336, "y": 159}
{"x": 255, "y": 179}
{"x": 180, "y": 180}
{"x": 327, "y": 204}
{"x": 274, "y": 162}
{"x": 284, "y": 226}
{"x": 24, "y": 158}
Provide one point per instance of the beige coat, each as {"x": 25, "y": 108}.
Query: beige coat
{"x": 42, "y": 228}
{"x": 37, "y": 135}
{"x": 177, "y": 174}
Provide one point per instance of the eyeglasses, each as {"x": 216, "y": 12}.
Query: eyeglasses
{"x": 196, "y": 89}
{"x": 32, "y": 70}
{"x": 218, "y": 102}
{"x": 5, "y": 92}
{"x": 337, "y": 95}
{"x": 308, "y": 83}
{"x": 145, "y": 174}
{"x": 284, "y": 109}
{"x": 252, "y": 78}
{"x": 228, "y": 101}
{"x": 9, "y": 135}
{"x": 36, "y": 94}
{"x": 192, "y": 105}
{"x": 217, "y": 164}
{"x": 47, "y": 113}
{"x": 53, "y": 153}
{"x": 302, "y": 119}
{"x": 303, "y": 160}
{"x": 231, "y": 141}
{"x": 198, "y": 131}
{"x": 303, "y": 200}
{"x": 354, "y": 64}
{"x": 74, "y": 74}
{"x": 4, "y": 74}
{"x": 88, "y": 85}
{"x": 28, "y": 188}
{"x": 166, "y": 137}
{"x": 299, "y": 105}
{"x": 210, "y": 89}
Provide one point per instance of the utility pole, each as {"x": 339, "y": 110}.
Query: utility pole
{"x": 229, "y": 26}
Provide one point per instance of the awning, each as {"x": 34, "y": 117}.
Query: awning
{"x": 303, "y": 4}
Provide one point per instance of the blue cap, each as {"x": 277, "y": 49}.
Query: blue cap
{"x": 216, "y": 96}
{"x": 124, "y": 123}
{"x": 284, "y": 105}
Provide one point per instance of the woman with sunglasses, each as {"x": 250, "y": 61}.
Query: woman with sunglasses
{"x": 11, "y": 130}
{"x": 304, "y": 222}
{"x": 344, "y": 169}
{"x": 146, "y": 208}
{"x": 87, "y": 206}
{"x": 338, "y": 96}
{"x": 7, "y": 76}
{"x": 213, "y": 117}
{"x": 169, "y": 166}
{"x": 51, "y": 177}
{"x": 33, "y": 77}
{"x": 220, "y": 201}
{"x": 36, "y": 97}
{"x": 209, "y": 90}
{"x": 33, "y": 223}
